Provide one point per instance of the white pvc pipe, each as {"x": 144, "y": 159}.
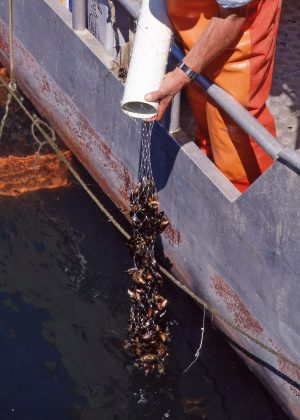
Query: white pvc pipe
{"x": 149, "y": 59}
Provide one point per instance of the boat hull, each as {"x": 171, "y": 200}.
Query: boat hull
{"x": 240, "y": 253}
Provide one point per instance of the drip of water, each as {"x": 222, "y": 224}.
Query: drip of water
{"x": 145, "y": 168}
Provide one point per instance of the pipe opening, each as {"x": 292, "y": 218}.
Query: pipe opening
{"x": 138, "y": 109}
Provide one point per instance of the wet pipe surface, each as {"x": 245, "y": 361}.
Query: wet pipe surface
{"x": 63, "y": 319}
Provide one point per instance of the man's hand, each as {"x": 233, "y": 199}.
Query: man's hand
{"x": 172, "y": 83}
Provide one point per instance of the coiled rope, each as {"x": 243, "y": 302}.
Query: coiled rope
{"x": 39, "y": 125}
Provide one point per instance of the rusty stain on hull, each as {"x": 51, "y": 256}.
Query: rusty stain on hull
{"x": 235, "y": 306}
{"x": 288, "y": 370}
{"x": 291, "y": 372}
{"x": 244, "y": 319}
{"x": 172, "y": 235}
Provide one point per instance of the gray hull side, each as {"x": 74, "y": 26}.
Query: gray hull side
{"x": 240, "y": 253}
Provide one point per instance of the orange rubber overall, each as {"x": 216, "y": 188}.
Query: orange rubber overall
{"x": 246, "y": 72}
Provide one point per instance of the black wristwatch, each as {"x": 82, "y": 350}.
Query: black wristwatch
{"x": 187, "y": 70}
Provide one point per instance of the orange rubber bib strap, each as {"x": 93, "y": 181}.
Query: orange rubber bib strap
{"x": 244, "y": 71}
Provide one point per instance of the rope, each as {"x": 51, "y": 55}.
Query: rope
{"x": 197, "y": 354}
{"x": 39, "y": 142}
{"x": 11, "y": 53}
{"x": 212, "y": 310}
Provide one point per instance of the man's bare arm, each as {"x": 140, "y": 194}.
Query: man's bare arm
{"x": 222, "y": 32}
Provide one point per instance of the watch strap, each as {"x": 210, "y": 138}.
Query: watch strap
{"x": 187, "y": 70}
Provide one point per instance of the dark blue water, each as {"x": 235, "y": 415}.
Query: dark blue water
{"x": 63, "y": 320}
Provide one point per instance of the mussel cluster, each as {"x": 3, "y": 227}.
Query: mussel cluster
{"x": 148, "y": 333}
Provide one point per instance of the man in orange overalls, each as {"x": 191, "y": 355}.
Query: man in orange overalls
{"x": 233, "y": 43}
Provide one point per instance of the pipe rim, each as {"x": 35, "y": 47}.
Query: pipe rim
{"x": 139, "y": 109}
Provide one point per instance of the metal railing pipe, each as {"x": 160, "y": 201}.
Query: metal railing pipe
{"x": 291, "y": 158}
{"x": 236, "y": 111}
{"x": 175, "y": 114}
{"x": 79, "y": 14}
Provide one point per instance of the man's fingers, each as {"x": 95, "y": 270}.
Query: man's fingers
{"x": 162, "y": 107}
{"x": 150, "y": 119}
{"x": 163, "y": 100}
{"x": 161, "y": 112}
{"x": 154, "y": 96}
